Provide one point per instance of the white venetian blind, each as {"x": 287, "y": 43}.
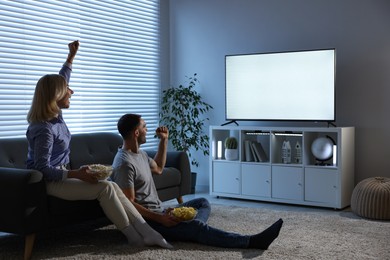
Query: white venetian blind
{"x": 116, "y": 70}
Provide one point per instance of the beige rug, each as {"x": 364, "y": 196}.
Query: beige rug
{"x": 305, "y": 235}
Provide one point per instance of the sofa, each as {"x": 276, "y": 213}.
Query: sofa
{"x": 26, "y": 209}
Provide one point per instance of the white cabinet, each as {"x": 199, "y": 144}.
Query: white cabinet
{"x": 287, "y": 183}
{"x": 256, "y": 180}
{"x": 226, "y": 177}
{"x": 321, "y": 185}
{"x": 304, "y": 180}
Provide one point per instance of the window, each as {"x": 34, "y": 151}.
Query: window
{"x": 116, "y": 70}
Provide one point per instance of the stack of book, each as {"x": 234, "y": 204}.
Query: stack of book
{"x": 254, "y": 152}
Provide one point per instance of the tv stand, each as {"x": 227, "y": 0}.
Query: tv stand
{"x": 269, "y": 177}
{"x": 331, "y": 124}
{"x": 230, "y": 122}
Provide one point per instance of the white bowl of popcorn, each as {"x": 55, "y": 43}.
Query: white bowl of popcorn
{"x": 184, "y": 213}
{"x": 101, "y": 170}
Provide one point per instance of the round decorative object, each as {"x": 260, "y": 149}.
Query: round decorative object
{"x": 371, "y": 198}
{"x": 322, "y": 148}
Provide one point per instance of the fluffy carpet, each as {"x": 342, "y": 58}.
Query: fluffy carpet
{"x": 305, "y": 235}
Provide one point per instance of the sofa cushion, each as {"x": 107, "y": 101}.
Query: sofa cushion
{"x": 92, "y": 148}
{"x": 170, "y": 177}
{"x": 13, "y": 152}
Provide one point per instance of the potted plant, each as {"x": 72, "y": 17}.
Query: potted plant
{"x": 183, "y": 112}
{"x": 231, "y": 151}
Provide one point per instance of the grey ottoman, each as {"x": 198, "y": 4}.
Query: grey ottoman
{"x": 371, "y": 198}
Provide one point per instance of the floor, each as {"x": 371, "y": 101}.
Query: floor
{"x": 251, "y": 204}
{"x": 257, "y": 204}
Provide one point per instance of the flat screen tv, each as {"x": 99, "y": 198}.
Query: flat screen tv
{"x": 283, "y": 86}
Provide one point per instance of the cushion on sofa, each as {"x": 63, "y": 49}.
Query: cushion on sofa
{"x": 170, "y": 177}
{"x": 13, "y": 152}
{"x": 91, "y": 148}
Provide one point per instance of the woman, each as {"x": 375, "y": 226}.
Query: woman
{"x": 48, "y": 151}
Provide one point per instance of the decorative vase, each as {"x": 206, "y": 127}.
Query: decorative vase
{"x": 231, "y": 154}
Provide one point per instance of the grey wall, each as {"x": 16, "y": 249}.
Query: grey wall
{"x": 202, "y": 32}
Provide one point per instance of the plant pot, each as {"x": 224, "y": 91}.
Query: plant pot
{"x": 231, "y": 154}
{"x": 193, "y": 182}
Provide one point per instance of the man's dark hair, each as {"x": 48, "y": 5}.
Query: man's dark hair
{"x": 127, "y": 123}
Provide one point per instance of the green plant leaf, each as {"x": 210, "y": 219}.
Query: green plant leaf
{"x": 182, "y": 111}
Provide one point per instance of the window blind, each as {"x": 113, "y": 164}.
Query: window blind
{"x": 116, "y": 69}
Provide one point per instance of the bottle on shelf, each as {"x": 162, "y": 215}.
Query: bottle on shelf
{"x": 298, "y": 152}
{"x": 286, "y": 152}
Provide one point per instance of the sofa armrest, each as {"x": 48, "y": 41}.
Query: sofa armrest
{"x": 180, "y": 161}
{"x": 23, "y": 201}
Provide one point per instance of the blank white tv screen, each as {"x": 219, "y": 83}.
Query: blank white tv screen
{"x": 296, "y": 86}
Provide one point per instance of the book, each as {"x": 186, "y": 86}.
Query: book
{"x": 248, "y": 151}
{"x": 255, "y": 157}
{"x": 259, "y": 151}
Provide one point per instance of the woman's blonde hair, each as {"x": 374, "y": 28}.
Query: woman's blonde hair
{"x": 49, "y": 89}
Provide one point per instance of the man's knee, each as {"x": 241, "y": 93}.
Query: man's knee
{"x": 204, "y": 202}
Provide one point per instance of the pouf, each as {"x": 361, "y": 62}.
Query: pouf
{"x": 371, "y": 198}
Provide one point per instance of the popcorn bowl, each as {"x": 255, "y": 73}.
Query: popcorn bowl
{"x": 184, "y": 213}
{"x": 101, "y": 170}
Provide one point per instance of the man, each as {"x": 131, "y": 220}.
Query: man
{"x": 132, "y": 171}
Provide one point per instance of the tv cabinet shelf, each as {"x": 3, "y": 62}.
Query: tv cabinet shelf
{"x": 304, "y": 181}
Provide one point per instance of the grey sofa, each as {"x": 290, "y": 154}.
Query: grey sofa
{"x": 26, "y": 209}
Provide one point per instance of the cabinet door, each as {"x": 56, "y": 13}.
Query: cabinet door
{"x": 321, "y": 185}
{"x": 287, "y": 182}
{"x": 256, "y": 180}
{"x": 226, "y": 177}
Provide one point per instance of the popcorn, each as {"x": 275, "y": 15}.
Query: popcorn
{"x": 184, "y": 213}
{"x": 102, "y": 171}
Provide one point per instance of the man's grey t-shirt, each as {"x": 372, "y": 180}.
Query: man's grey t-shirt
{"x": 132, "y": 170}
